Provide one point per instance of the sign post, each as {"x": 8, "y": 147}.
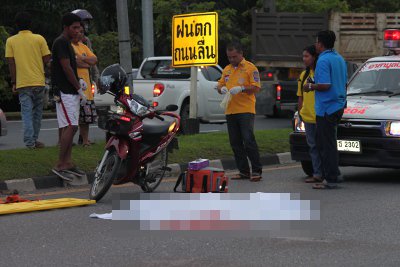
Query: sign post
{"x": 193, "y": 92}
{"x": 194, "y": 43}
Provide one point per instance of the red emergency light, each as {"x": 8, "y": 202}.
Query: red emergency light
{"x": 93, "y": 89}
{"x": 391, "y": 39}
{"x": 392, "y": 35}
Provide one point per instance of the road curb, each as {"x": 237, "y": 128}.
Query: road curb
{"x": 46, "y": 182}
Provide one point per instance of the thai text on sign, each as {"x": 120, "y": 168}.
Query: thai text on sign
{"x": 195, "y": 39}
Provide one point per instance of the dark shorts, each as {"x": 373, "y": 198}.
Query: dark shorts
{"x": 87, "y": 113}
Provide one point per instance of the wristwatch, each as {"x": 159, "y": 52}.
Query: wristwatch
{"x": 309, "y": 87}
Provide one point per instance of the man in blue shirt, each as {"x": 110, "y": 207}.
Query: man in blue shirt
{"x": 330, "y": 100}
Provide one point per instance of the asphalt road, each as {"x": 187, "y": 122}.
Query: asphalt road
{"x": 359, "y": 226}
{"x": 49, "y": 131}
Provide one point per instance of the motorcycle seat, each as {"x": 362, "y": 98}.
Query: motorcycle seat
{"x": 156, "y": 126}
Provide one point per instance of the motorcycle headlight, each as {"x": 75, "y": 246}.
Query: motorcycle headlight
{"x": 171, "y": 127}
{"x": 137, "y": 108}
{"x": 393, "y": 128}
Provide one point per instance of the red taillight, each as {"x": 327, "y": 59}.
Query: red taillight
{"x": 278, "y": 92}
{"x": 391, "y": 35}
{"x": 93, "y": 89}
{"x": 158, "y": 89}
{"x": 155, "y": 104}
{"x": 270, "y": 75}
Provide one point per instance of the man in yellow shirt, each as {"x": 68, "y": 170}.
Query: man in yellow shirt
{"x": 242, "y": 80}
{"x": 27, "y": 54}
{"x": 84, "y": 60}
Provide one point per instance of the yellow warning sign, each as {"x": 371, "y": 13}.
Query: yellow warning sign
{"x": 47, "y": 204}
{"x": 195, "y": 39}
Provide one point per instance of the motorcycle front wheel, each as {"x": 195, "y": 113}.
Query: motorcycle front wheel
{"x": 105, "y": 173}
{"x": 155, "y": 171}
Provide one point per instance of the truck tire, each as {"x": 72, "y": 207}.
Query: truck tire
{"x": 307, "y": 167}
{"x": 184, "y": 116}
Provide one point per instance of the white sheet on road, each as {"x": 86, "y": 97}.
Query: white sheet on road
{"x": 106, "y": 216}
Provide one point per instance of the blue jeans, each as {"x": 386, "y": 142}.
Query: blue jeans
{"x": 243, "y": 142}
{"x": 311, "y": 135}
{"x": 31, "y": 100}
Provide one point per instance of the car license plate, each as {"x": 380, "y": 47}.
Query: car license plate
{"x": 349, "y": 146}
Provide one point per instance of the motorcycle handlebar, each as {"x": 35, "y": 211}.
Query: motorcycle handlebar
{"x": 158, "y": 117}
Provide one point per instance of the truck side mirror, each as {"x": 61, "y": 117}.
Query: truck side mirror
{"x": 171, "y": 108}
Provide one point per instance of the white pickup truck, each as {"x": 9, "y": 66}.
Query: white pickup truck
{"x": 162, "y": 85}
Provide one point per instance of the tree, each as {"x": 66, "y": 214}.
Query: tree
{"x": 389, "y": 6}
{"x": 313, "y": 6}
{"x": 5, "y": 90}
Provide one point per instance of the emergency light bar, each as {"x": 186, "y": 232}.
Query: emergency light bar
{"x": 391, "y": 38}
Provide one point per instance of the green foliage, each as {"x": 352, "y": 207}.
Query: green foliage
{"x": 5, "y": 90}
{"x": 105, "y": 46}
{"x": 388, "y": 6}
{"x": 313, "y": 6}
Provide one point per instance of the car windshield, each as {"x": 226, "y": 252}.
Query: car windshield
{"x": 380, "y": 78}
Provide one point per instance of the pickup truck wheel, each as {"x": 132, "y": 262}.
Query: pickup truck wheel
{"x": 307, "y": 167}
{"x": 184, "y": 116}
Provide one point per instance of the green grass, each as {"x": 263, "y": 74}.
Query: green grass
{"x": 23, "y": 163}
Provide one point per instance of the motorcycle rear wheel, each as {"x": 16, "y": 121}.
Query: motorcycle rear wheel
{"x": 156, "y": 172}
{"x": 105, "y": 175}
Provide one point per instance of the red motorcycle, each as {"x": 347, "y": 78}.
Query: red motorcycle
{"x": 140, "y": 139}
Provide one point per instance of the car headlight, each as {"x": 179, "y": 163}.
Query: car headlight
{"x": 298, "y": 124}
{"x": 393, "y": 128}
{"x": 137, "y": 108}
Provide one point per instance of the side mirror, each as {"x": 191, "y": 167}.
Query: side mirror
{"x": 171, "y": 108}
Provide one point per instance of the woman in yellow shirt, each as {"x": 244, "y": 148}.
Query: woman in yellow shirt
{"x": 306, "y": 103}
{"x": 84, "y": 60}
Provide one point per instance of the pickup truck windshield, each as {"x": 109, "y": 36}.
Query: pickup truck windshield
{"x": 380, "y": 78}
{"x": 163, "y": 69}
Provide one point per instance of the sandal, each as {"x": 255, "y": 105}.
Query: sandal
{"x": 240, "y": 176}
{"x": 313, "y": 180}
{"x": 67, "y": 176}
{"x": 255, "y": 178}
{"x": 86, "y": 145}
{"x": 324, "y": 186}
